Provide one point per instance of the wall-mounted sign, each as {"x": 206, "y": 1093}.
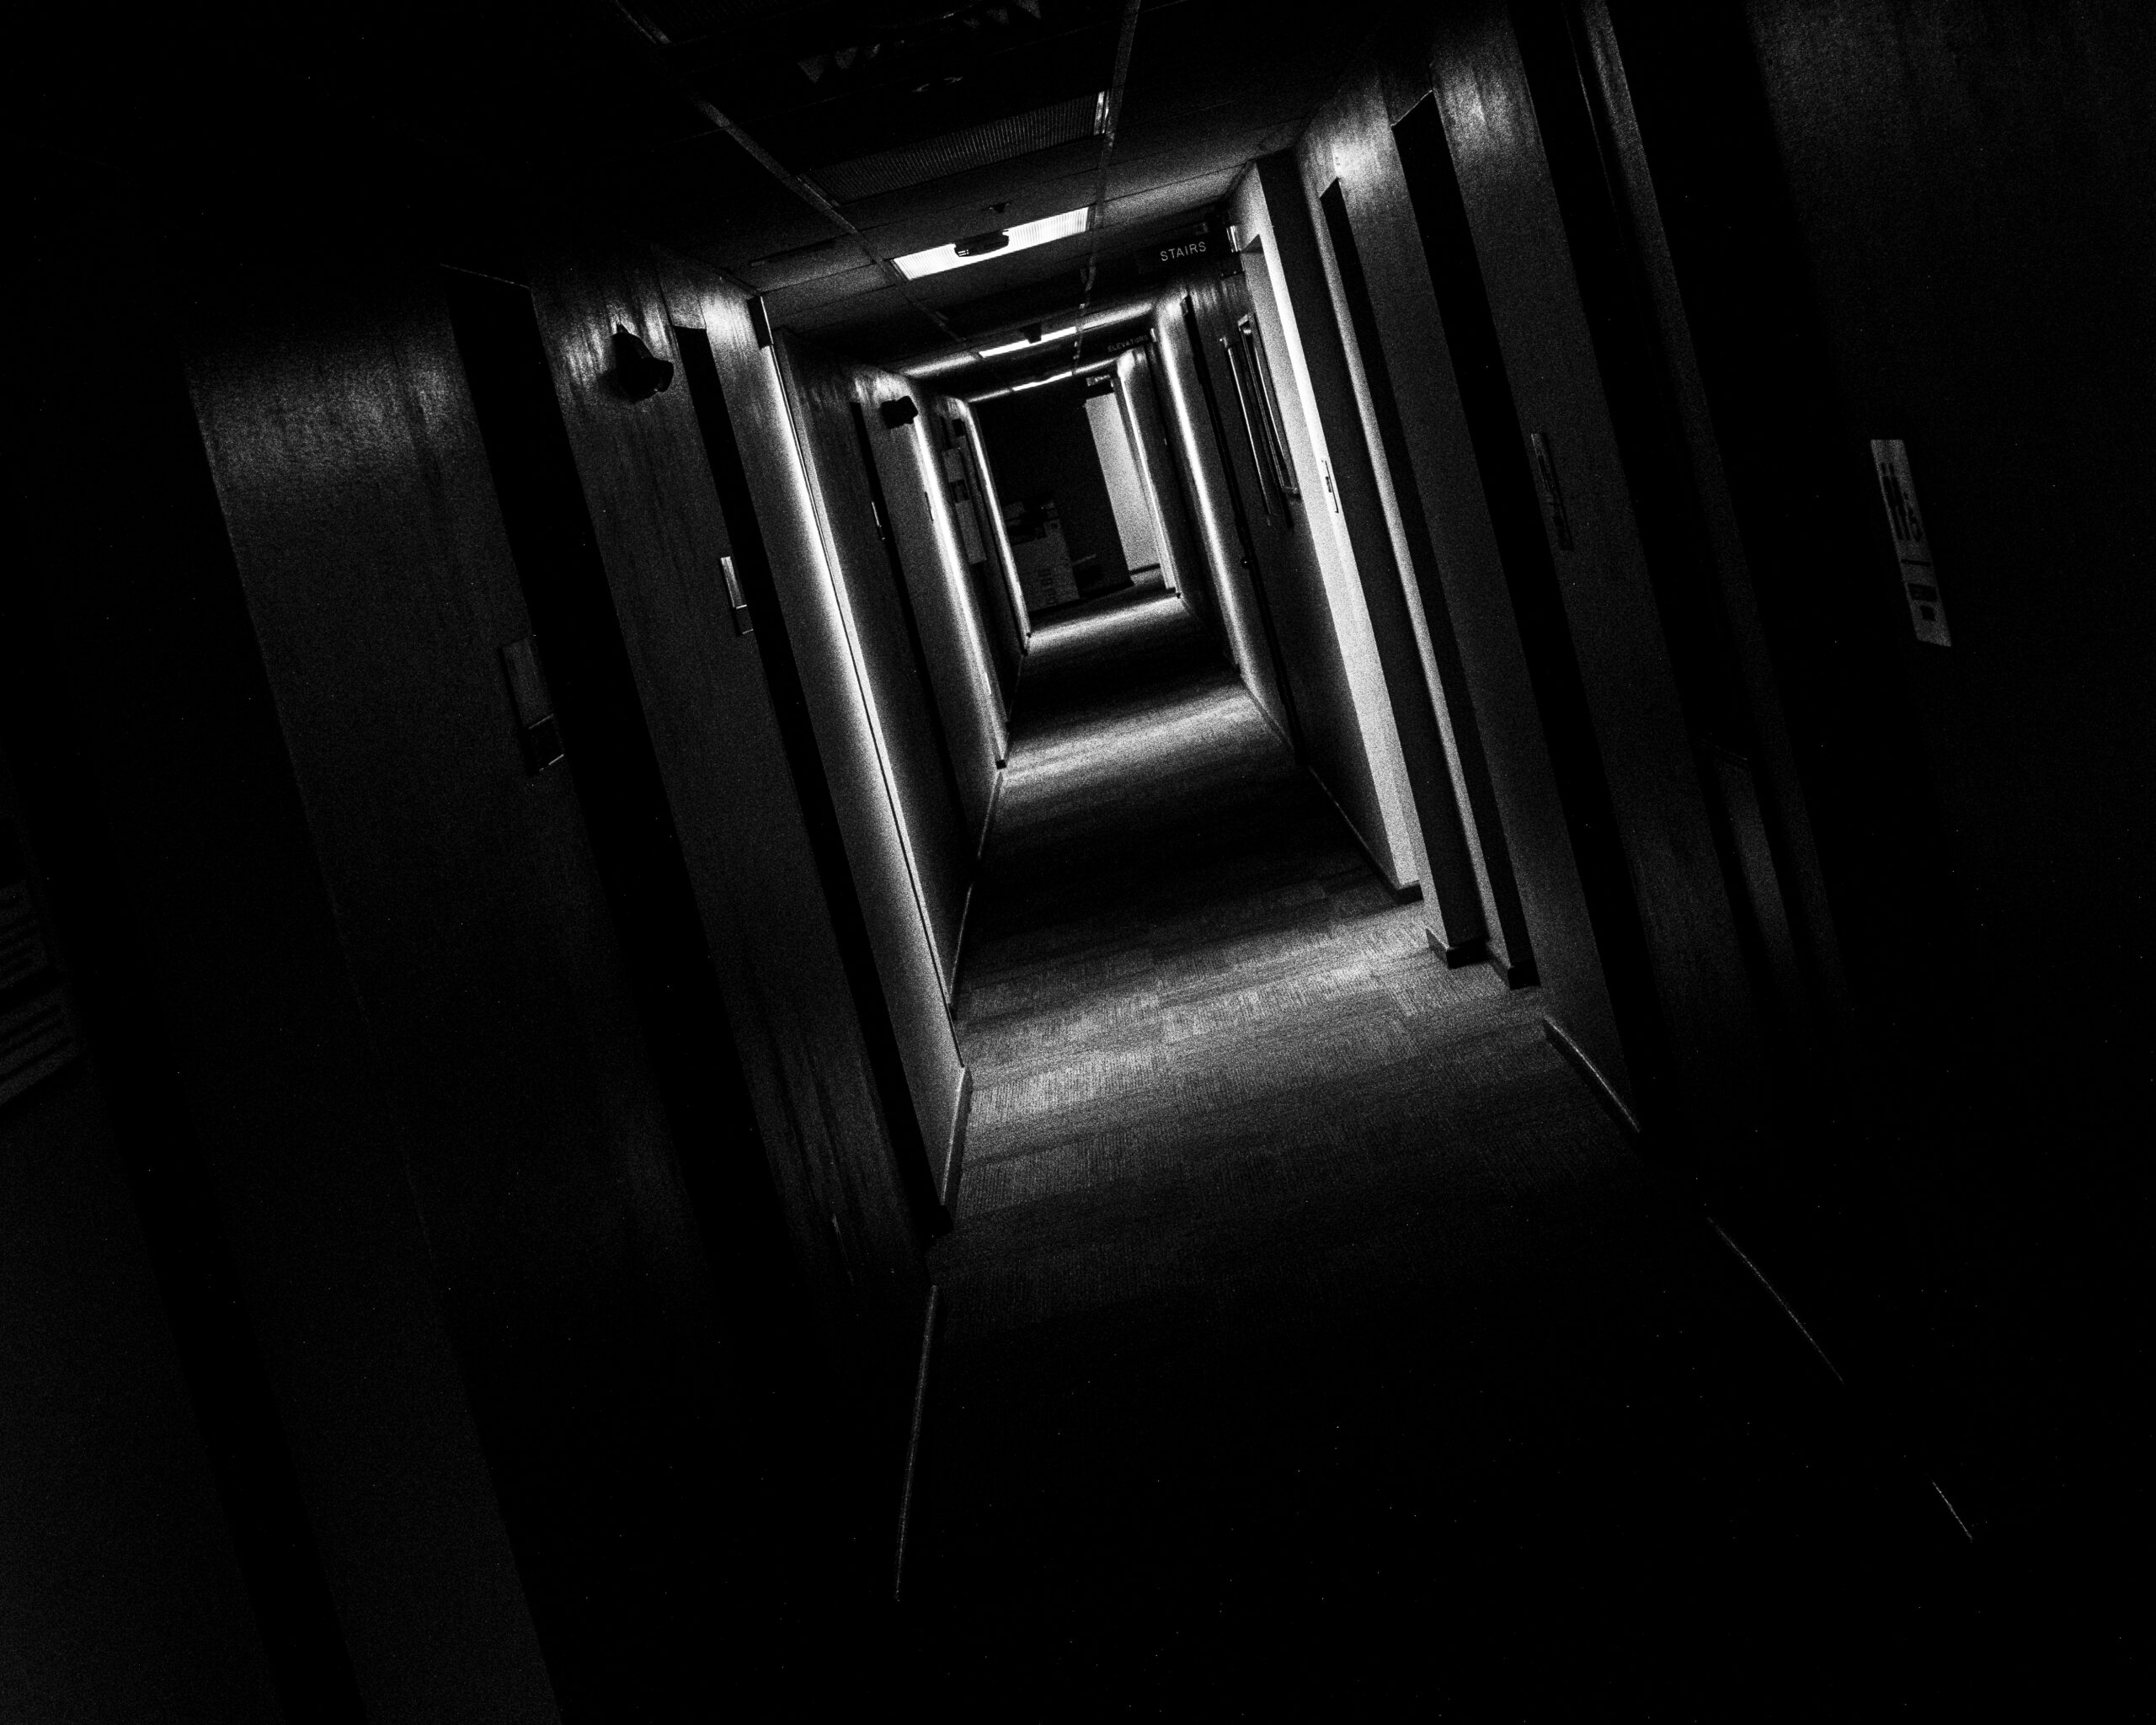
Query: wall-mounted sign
{"x": 1889, "y": 460}
{"x": 536, "y": 730}
{"x": 1189, "y": 246}
{"x": 1552, "y": 494}
{"x": 35, "y": 1038}
{"x": 740, "y": 605}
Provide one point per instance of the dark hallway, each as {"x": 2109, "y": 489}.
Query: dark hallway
{"x": 1041, "y": 859}
{"x": 1311, "y": 1331}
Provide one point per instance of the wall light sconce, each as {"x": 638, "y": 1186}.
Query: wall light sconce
{"x": 899, "y": 412}
{"x": 638, "y": 372}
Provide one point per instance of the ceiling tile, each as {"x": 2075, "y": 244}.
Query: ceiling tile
{"x": 954, "y": 153}
{"x": 1022, "y": 178}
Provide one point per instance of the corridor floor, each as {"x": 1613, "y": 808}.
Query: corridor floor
{"x": 1311, "y": 1335}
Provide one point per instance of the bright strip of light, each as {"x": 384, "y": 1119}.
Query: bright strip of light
{"x": 1012, "y": 347}
{"x": 1027, "y": 234}
{"x": 1106, "y": 320}
{"x": 1089, "y": 367}
{"x": 958, "y": 362}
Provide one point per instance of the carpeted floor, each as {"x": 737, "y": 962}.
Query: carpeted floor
{"x": 1313, "y": 1344}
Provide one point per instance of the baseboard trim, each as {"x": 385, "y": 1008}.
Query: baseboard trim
{"x": 1605, "y": 1093}
{"x": 1910, "y": 1460}
{"x": 988, "y": 820}
{"x": 1468, "y": 951}
{"x": 1788, "y": 1310}
{"x": 949, "y": 979}
{"x": 1405, "y": 894}
{"x": 1521, "y": 975}
{"x": 973, "y": 886}
{"x": 913, "y": 1439}
{"x": 954, "y": 1160}
{"x": 1272, "y": 723}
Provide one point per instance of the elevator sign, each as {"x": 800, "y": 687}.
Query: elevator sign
{"x": 1889, "y": 460}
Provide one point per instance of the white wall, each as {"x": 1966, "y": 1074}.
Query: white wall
{"x": 805, "y": 563}
{"x": 1133, "y": 519}
{"x": 992, "y": 508}
{"x": 1343, "y": 590}
{"x": 1210, "y": 504}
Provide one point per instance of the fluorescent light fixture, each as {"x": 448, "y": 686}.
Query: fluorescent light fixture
{"x": 1012, "y": 347}
{"x": 959, "y": 362}
{"x": 1036, "y": 382}
{"x": 1122, "y": 314}
{"x": 938, "y": 258}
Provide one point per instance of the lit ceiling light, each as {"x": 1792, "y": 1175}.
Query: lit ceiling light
{"x": 959, "y": 362}
{"x": 1036, "y": 382}
{"x": 938, "y": 258}
{"x": 1012, "y": 347}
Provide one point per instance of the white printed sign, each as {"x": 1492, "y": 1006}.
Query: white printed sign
{"x": 1889, "y": 458}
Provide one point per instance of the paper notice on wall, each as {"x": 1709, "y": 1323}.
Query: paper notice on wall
{"x": 1889, "y": 460}
{"x": 970, "y": 539}
{"x": 35, "y": 1038}
{"x": 35, "y": 1042}
{"x": 22, "y": 942}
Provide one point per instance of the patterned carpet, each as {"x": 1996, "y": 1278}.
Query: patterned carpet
{"x": 1312, "y": 1341}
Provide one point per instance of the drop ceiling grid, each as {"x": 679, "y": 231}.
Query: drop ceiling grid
{"x": 1213, "y": 84}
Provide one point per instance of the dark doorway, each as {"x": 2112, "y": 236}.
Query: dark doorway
{"x": 967, "y": 498}
{"x": 916, "y": 655}
{"x": 790, "y": 703}
{"x": 1244, "y": 549}
{"x": 1508, "y": 490}
{"x": 618, "y": 784}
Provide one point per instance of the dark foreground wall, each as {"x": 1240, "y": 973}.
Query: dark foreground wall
{"x": 375, "y": 1544}
{"x": 120, "y": 1594}
{"x": 1649, "y": 281}
{"x": 413, "y": 1003}
{"x": 1967, "y": 189}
